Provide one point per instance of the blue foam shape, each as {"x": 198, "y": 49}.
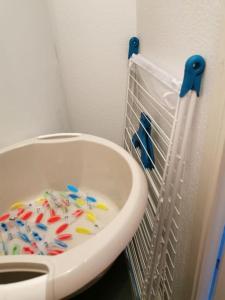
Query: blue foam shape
{"x": 72, "y": 188}
{"x": 74, "y": 197}
{"x": 91, "y": 199}
{"x": 42, "y": 226}
{"x": 4, "y": 227}
{"x": 36, "y": 236}
{"x": 141, "y": 140}
{"x": 61, "y": 244}
{"x": 20, "y": 223}
{"x": 24, "y": 237}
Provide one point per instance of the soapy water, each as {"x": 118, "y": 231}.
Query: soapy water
{"x": 54, "y": 222}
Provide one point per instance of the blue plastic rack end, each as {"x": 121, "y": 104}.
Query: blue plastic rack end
{"x": 133, "y": 46}
{"x": 194, "y": 69}
{"x": 217, "y": 265}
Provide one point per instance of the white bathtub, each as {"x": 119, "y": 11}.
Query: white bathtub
{"x": 54, "y": 161}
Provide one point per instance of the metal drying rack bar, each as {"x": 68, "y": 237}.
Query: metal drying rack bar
{"x": 152, "y": 252}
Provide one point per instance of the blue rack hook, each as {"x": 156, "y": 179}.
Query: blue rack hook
{"x": 194, "y": 69}
{"x": 133, "y": 46}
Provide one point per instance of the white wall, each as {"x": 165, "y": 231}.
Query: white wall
{"x": 31, "y": 95}
{"x": 170, "y": 32}
{"x": 92, "y": 40}
{"x": 215, "y": 229}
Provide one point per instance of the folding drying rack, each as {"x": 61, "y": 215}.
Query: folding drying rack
{"x": 170, "y": 105}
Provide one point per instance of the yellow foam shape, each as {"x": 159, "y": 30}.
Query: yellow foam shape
{"x": 102, "y": 206}
{"x": 17, "y": 205}
{"x": 91, "y": 216}
{"x": 80, "y": 202}
{"x": 40, "y": 201}
{"x": 83, "y": 230}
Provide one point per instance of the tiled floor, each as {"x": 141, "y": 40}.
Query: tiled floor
{"x": 115, "y": 285}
